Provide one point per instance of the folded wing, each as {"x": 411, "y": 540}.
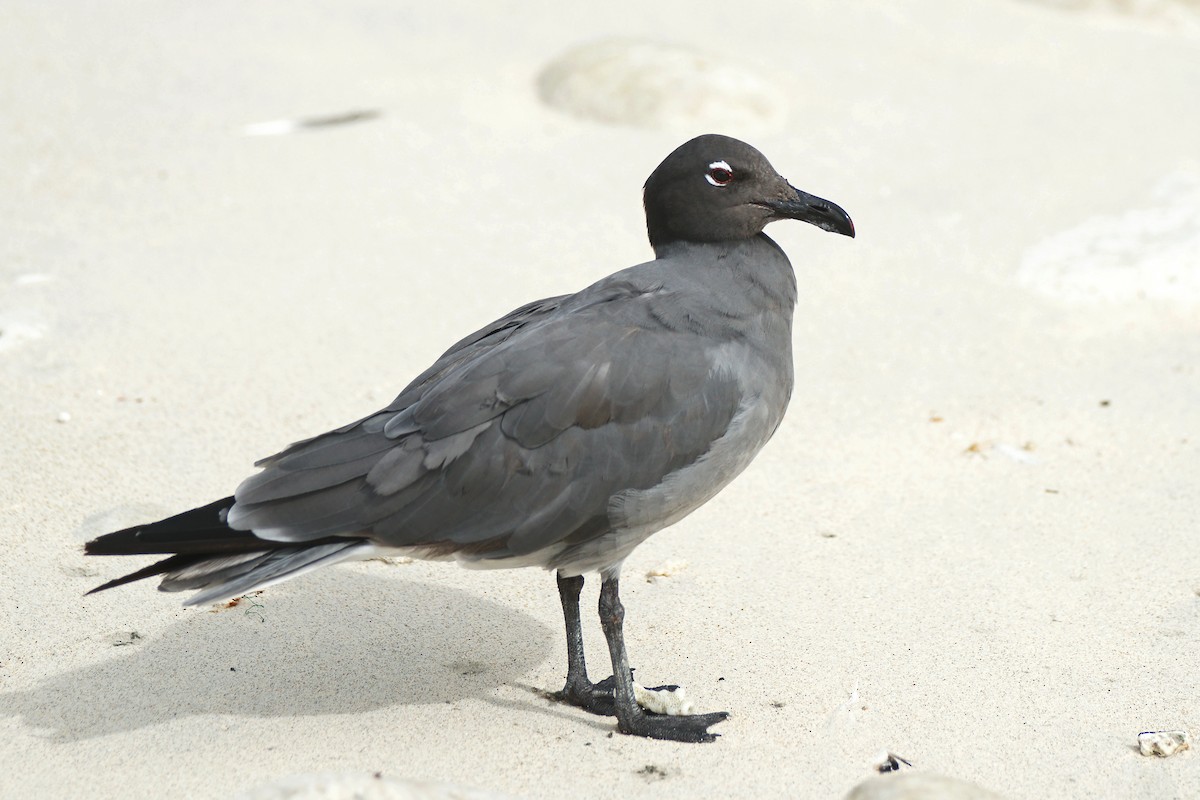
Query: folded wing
{"x": 515, "y": 440}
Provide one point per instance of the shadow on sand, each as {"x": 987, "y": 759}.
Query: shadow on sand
{"x": 342, "y": 643}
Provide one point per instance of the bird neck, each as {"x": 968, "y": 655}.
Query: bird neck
{"x": 757, "y": 262}
{"x": 735, "y": 289}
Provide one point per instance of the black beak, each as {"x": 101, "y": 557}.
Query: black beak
{"x": 811, "y": 209}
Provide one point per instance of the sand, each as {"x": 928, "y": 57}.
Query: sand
{"x": 973, "y": 542}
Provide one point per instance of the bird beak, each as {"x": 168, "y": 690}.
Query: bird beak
{"x": 812, "y": 209}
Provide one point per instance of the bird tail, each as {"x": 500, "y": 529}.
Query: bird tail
{"x": 205, "y": 553}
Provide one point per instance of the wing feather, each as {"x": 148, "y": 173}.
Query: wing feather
{"x": 517, "y": 438}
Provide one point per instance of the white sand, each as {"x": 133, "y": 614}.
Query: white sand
{"x": 982, "y": 513}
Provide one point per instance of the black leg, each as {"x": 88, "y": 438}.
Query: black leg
{"x": 579, "y": 691}
{"x": 631, "y": 718}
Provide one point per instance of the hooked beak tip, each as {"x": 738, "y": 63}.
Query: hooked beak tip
{"x": 816, "y": 211}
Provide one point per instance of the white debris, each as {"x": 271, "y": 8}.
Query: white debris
{"x": 393, "y": 561}
{"x": 666, "y": 570}
{"x": 671, "y": 702}
{"x": 1022, "y": 454}
{"x": 31, "y": 278}
{"x": 63, "y": 416}
{"x": 1163, "y": 743}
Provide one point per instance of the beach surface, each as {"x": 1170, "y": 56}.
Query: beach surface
{"x": 973, "y": 543}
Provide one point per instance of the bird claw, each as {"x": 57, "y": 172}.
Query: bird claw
{"x": 596, "y": 698}
{"x": 688, "y": 728}
{"x": 600, "y": 698}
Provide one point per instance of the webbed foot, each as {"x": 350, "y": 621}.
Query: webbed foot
{"x": 684, "y": 728}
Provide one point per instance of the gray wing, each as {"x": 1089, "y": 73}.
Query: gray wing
{"x": 513, "y": 440}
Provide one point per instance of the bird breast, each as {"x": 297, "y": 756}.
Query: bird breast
{"x": 766, "y": 388}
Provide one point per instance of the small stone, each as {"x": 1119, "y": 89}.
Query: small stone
{"x": 63, "y": 416}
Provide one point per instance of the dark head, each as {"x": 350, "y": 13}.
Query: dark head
{"x": 718, "y": 189}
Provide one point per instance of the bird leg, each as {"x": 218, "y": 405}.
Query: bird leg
{"x": 631, "y": 718}
{"x": 598, "y": 698}
{"x": 579, "y": 691}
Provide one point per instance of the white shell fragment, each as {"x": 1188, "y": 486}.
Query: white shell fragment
{"x": 658, "y": 85}
{"x": 667, "y": 569}
{"x": 32, "y": 278}
{"x": 1163, "y": 743}
{"x": 671, "y": 702}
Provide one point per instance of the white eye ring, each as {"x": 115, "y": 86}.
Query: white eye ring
{"x": 719, "y": 174}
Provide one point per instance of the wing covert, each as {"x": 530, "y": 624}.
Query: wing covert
{"x": 516, "y": 438}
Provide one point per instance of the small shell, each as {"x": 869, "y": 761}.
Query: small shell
{"x": 671, "y": 702}
{"x": 665, "y": 570}
{"x": 1163, "y": 743}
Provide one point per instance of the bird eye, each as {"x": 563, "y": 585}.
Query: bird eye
{"x": 719, "y": 174}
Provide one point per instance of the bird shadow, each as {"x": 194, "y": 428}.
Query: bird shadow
{"x": 343, "y": 643}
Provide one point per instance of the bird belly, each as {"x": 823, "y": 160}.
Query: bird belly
{"x": 683, "y": 491}
{"x": 636, "y": 514}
